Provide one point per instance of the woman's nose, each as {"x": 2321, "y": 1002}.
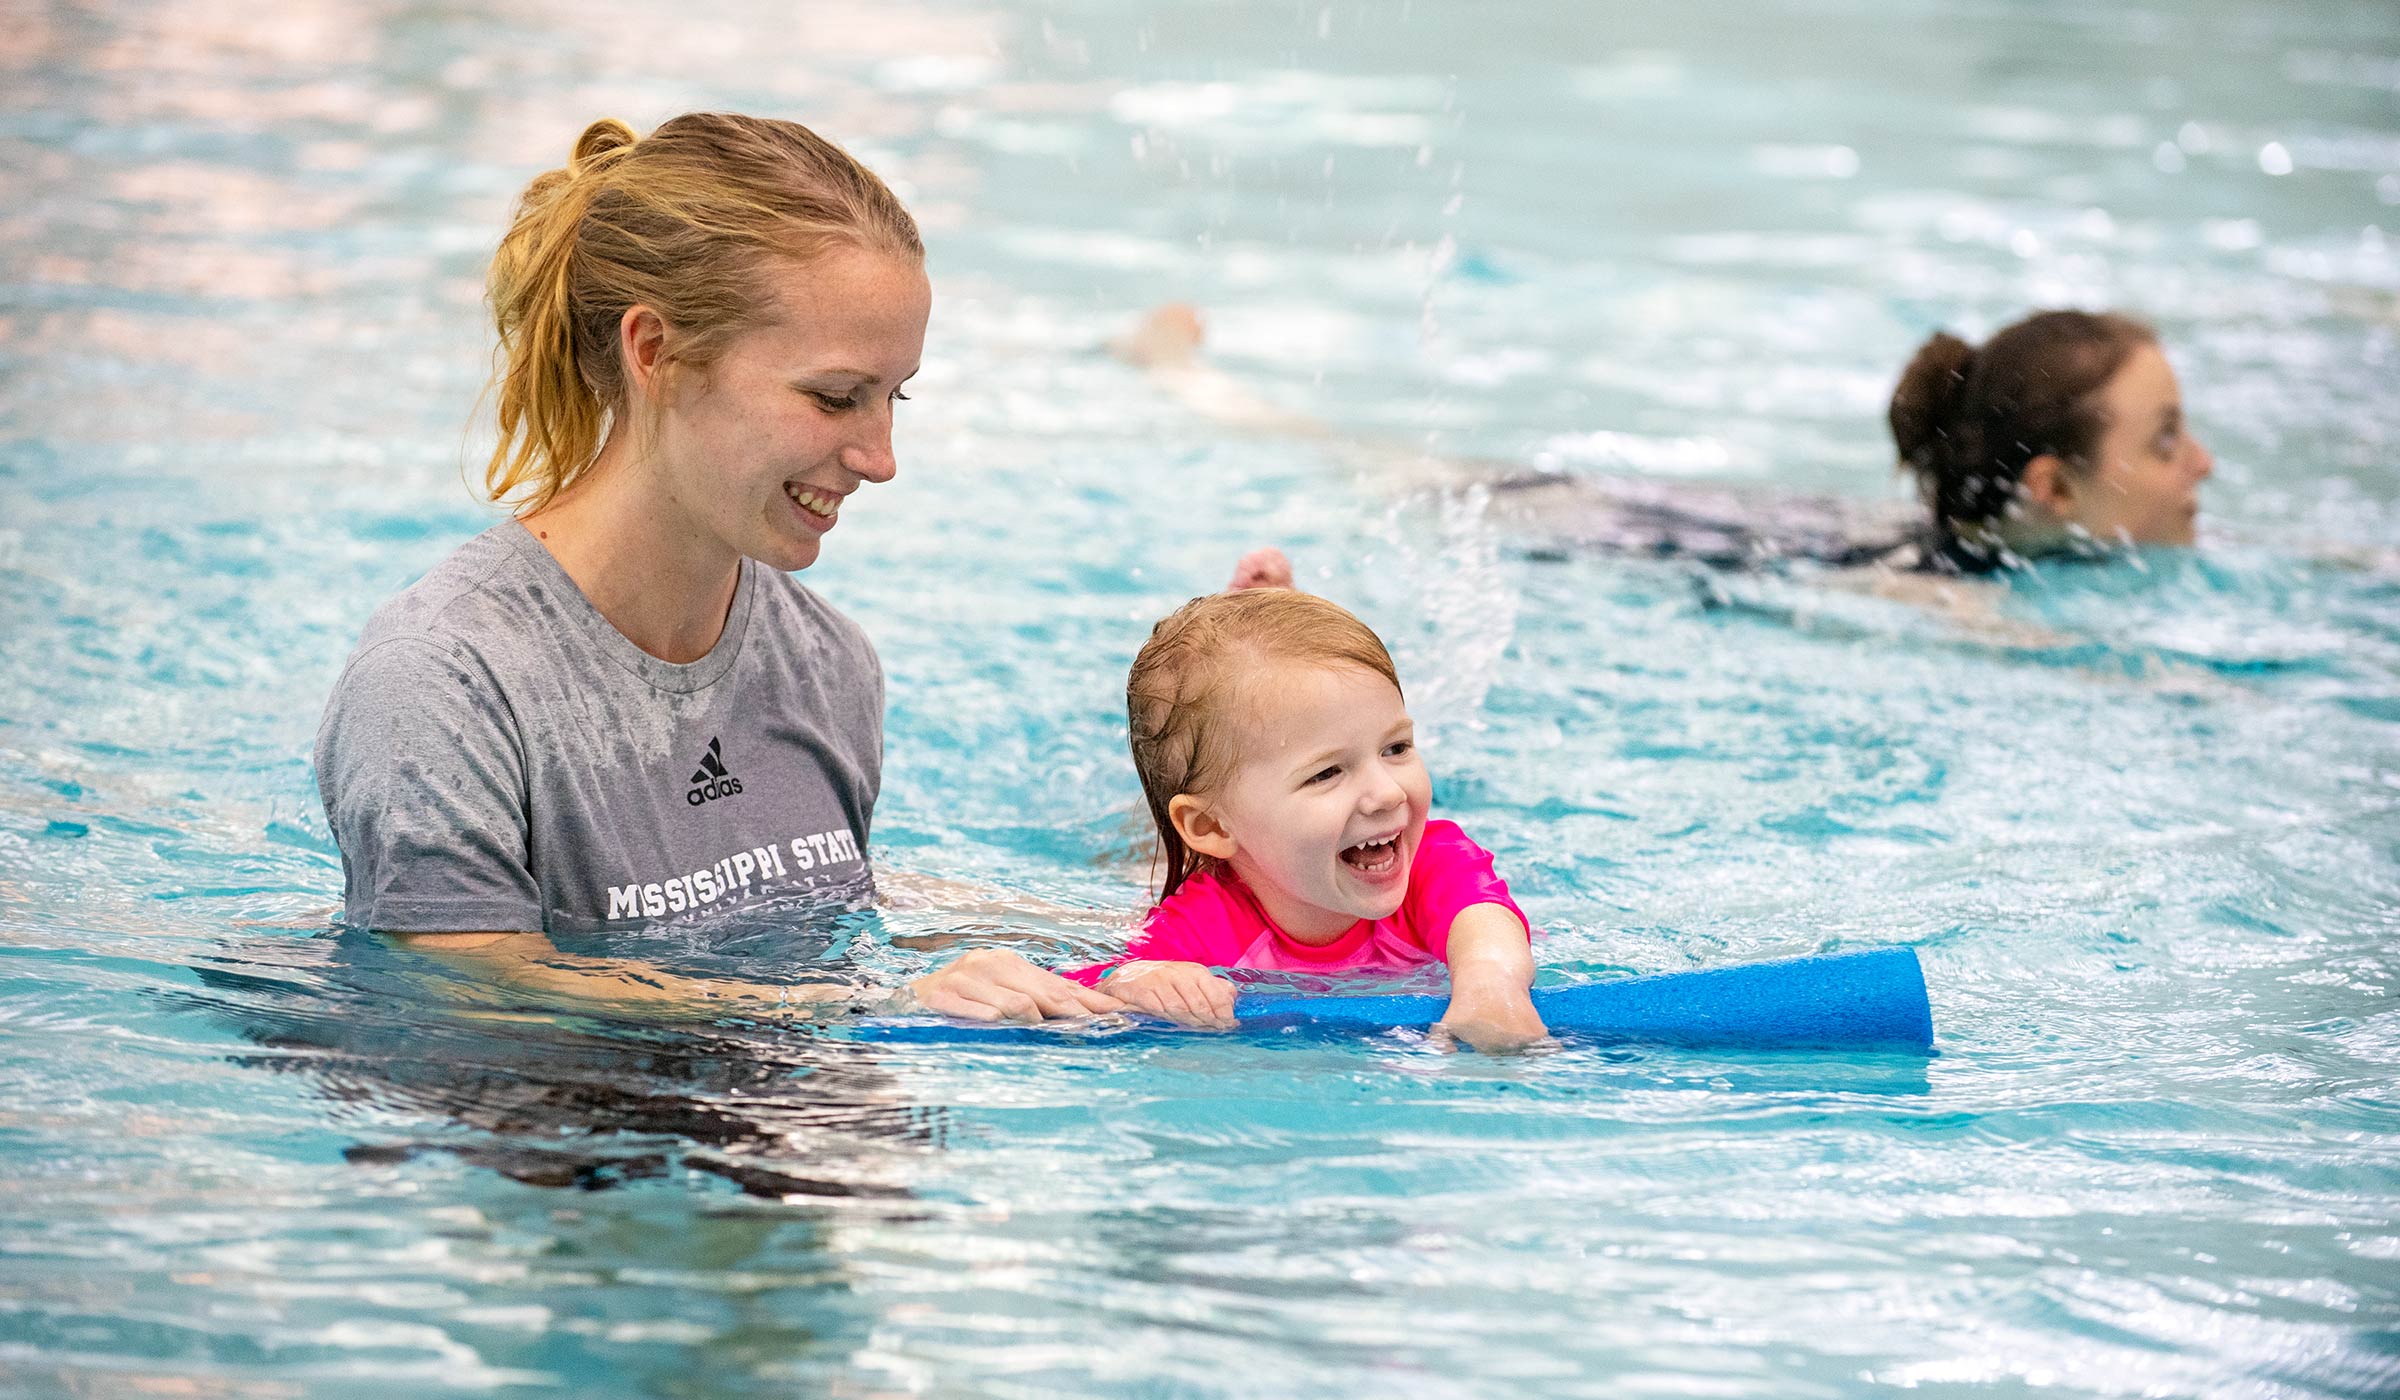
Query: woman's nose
{"x": 871, "y": 456}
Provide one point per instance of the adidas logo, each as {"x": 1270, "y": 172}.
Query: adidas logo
{"x": 711, "y": 780}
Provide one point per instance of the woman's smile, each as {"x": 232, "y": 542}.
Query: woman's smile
{"x": 816, "y": 506}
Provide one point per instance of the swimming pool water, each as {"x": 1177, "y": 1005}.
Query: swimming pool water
{"x": 2149, "y": 860}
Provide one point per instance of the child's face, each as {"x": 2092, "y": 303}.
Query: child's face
{"x": 1326, "y": 809}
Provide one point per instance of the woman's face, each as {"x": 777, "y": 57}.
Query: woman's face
{"x": 760, "y": 448}
{"x": 2144, "y": 483}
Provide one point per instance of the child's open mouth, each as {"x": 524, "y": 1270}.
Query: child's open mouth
{"x": 1380, "y": 856}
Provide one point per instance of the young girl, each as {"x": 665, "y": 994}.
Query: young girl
{"x": 1281, "y": 768}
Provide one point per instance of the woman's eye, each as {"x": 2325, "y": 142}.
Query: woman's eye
{"x": 835, "y": 403}
{"x": 898, "y": 396}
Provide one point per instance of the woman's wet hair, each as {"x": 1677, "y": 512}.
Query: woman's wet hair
{"x": 1967, "y": 419}
{"x": 1195, "y": 684}
{"x": 683, "y": 221}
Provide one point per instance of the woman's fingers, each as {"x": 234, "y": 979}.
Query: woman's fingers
{"x": 1093, "y": 1001}
{"x": 992, "y": 985}
{"x": 1189, "y": 1007}
{"x": 1060, "y": 997}
{"x": 1052, "y": 995}
{"x": 947, "y": 1001}
{"x": 1214, "y": 1001}
{"x": 1205, "y": 1000}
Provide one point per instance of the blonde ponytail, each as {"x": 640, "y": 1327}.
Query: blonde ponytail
{"x": 681, "y": 222}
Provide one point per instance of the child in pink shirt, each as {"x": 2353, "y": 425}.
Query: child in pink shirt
{"x": 1281, "y": 769}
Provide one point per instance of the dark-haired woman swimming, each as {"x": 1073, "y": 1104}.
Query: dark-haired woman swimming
{"x": 2063, "y": 433}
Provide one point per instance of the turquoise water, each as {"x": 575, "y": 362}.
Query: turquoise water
{"x": 2149, "y": 861}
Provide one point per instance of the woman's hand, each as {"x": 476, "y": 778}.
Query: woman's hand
{"x": 1183, "y": 992}
{"x": 991, "y": 985}
{"x": 1491, "y": 981}
{"x": 985, "y": 985}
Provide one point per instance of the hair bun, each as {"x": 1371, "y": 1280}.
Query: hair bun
{"x": 1927, "y": 398}
{"x": 601, "y": 137}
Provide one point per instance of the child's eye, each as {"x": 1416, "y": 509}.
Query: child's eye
{"x": 2166, "y": 443}
{"x": 1325, "y": 775}
{"x": 1400, "y": 748}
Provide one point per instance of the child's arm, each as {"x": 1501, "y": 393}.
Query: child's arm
{"x": 1491, "y": 981}
{"x": 1183, "y": 992}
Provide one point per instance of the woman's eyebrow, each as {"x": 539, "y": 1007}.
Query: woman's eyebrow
{"x": 861, "y": 375}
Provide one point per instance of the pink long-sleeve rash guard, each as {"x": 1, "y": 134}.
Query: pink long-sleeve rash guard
{"x": 1213, "y": 919}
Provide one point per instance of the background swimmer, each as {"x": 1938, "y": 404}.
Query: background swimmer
{"x": 2064, "y": 433}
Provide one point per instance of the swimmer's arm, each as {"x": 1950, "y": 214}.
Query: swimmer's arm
{"x": 1969, "y": 605}
{"x": 1491, "y": 981}
{"x": 1166, "y": 343}
{"x": 985, "y": 985}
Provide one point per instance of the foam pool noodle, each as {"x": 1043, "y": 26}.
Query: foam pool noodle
{"x": 1872, "y": 999}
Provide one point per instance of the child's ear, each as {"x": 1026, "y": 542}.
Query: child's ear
{"x": 1197, "y": 823}
{"x": 2048, "y": 486}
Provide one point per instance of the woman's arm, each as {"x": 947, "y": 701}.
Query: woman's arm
{"x": 985, "y": 985}
{"x": 1491, "y": 981}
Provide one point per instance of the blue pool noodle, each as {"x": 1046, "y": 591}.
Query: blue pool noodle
{"x": 1873, "y": 999}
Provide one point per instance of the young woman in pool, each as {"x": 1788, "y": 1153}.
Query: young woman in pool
{"x": 1281, "y": 770}
{"x": 2062, "y": 434}
{"x": 619, "y": 705}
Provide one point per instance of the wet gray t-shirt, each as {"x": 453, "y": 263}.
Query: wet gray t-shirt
{"x": 498, "y": 756}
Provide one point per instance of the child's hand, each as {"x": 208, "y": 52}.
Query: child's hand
{"x": 1490, "y": 1025}
{"x": 1491, "y": 980}
{"x": 1183, "y": 992}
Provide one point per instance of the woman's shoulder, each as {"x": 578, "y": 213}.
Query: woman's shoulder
{"x": 482, "y": 589}
{"x": 797, "y": 613}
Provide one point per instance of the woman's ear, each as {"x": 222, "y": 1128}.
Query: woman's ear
{"x": 642, "y": 349}
{"x": 2048, "y": 487}
{"x": 1200, "y": 827}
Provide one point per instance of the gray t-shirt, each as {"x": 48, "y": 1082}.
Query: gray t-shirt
{"x": 498, "y": 756}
